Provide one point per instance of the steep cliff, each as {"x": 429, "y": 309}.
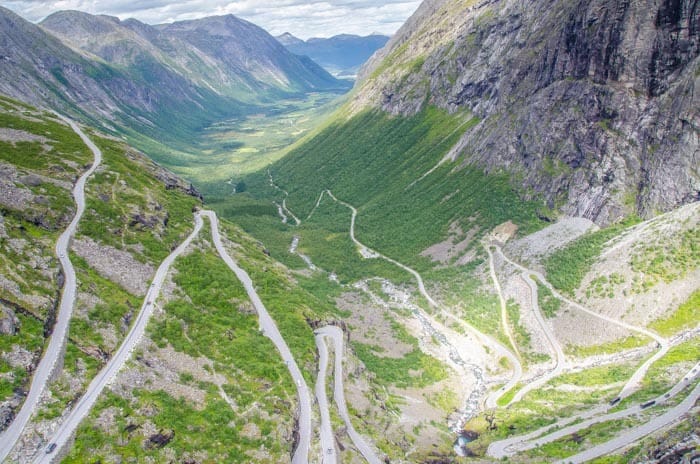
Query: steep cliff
{"x": 591, "y": 103}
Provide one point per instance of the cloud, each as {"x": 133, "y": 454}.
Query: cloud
{"x": 314, "y": 18}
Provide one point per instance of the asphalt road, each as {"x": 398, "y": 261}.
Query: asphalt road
{"x": 449, "y": 335}
{"x": 328, "y": 452}
{"x": 637, "y": 433}
{"x": 56, "y": 344}
{"x": 510, "y": 446}
{"x": 560, "y": 358}
{"x": 269, "y": 329}
{"x": 64, "y": 432}
{"x": 336, "y": 334}
{"x": 267, "y": 325}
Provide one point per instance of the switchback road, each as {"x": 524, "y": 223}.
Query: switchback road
{"x": 56, "y": 344}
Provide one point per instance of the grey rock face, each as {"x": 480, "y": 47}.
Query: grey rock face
{"x": 591, "y": 104}
{"x": 9, "y": 324}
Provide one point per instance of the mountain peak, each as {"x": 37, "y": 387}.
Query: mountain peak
{"x": 288, "y": 39}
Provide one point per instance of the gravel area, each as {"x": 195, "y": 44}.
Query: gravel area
{"x": 621, "y": 295}
{"x": 549, "y": 239}
{"x": 116, "y": 265}
{"x": 578, "y": 328}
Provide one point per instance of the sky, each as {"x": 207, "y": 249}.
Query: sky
{"x": 304, "y": 19}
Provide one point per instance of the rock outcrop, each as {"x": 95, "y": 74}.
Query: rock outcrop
{"x": 591, "y": 103}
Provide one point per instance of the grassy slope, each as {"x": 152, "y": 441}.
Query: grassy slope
{"x": 371, "y": 161}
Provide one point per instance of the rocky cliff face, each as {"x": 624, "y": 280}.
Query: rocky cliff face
{"x": 591, "y": 103}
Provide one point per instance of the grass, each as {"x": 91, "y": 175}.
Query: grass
{"x": 667, "y": 259}
{"x": 616, "y": 346}
{"x": 414, "y": 369}
{"x": 397, "y": 216}
{"x": 127, "y": 189}
{"x": 684, "y": 317}
{"x": 667, "y": 371}
{"x": 567, "y": 266}
{"x": 206, "y": 318}
{"x": 549, "y": 304}
{"x": 27, "y": 259}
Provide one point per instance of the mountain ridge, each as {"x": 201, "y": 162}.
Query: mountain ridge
{"x": 133, "y": 79}
{"x": 342, "y": 54}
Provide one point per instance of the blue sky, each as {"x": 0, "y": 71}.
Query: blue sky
{"x": 304, "y": 19}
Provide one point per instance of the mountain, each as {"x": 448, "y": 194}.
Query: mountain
{"x": 590, "y": 104}
{"x": 145, "y": 82}
{"x": 288, "y": 39}
{"x": 245, "y": 49}
{"x": 342, "y": 55}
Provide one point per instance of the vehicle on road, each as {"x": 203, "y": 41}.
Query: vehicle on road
{"x": 50, "y": 448}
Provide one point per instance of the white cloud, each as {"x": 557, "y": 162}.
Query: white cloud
{"x": 313, "y": 18}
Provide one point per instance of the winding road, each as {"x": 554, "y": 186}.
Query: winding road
{"x": 633, "y": 383}
{"x": 62, "y": 435}
{"x": 269, "y": 329}
{"x": 267, "y": 325}
{"x": 451, "y": 338}
{"x": 510, "y": 446}
{"x": 337, "y": 336}
{"x": 560, "y": 359}
{"x": 58, "y": 339}
{"x": 56, "y": 344}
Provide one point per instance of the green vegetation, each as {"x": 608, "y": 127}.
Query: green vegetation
{"x": 684, "y": 317}
{"x": 668, "y": 370}
{"x": 47, "y": 155}
{"x": 207, "y": 318}
{"x": 549, "y": 304}
{"x": 461, "y": 288}
{"x": 666, "y": 259}
{"x": 604, "y": 286}
{"x": 414, "y": 369}
{"x": 581, "y": 440}
{"x": 129, "y": 208}
{"x": 111, "y": 313}
{"x": 566, "y": 267}
{"x": 627, "y": 343}
{"x": 399, "y": 214}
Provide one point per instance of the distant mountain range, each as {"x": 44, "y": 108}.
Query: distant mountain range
{"x": 341, "y": 55}
{"x": 163, "y": 82}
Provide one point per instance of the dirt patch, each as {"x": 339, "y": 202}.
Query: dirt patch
{"x": 116, "y": 265}
{"x": 161, "y": 369}
{"x": 453, "y": 247}
{"x": 13, "y": 195}
{"x": 504, "y": 232}
{"x": 13, "y": 136}
{"x": 372, "y": 325}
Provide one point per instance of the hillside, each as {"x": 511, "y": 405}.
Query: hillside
{"x": 136, "y": 210}
{"x": 507, "y": 211}
{"x": 341, "y": 55}
{"x": 488, "y": 253}
{"x": 183, "y": 372}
